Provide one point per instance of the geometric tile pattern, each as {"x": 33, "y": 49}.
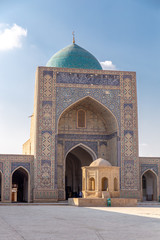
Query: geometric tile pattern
{"x": 1, "y": 166}
{"x": 145, "y": 167}
{"x": 128, "y": 144}
{"x": 68, "y": 96}
{"x": 58, "y": 89}
{"x": 92, "y": 145}
{"x": 129, "y": 138}
{"x": 82, "y": 78}
{"x": 15, "y": 165}
{"x": 9, "y": 164}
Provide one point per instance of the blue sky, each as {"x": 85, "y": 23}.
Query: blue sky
{"x": 125, "y": 32}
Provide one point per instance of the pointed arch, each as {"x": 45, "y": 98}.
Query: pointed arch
{"x": 77, "y": 157}
{"x": 91, "y": 184}
{"x": 104, "y": 184}
{"x": 149, "y": 185}
{"x": 151, "y": 170}
{"x": 24, "y": 174}
{"x": 88, "y": 149}
{"x": 102, "y": 107}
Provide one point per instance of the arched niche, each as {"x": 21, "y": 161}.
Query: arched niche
{"x": 101, "y": 126}
{"x": 91, "y": 184}
{"x": 149, "y": 186}
{"x": 104, "y": 184}
{"x": 115, "y": 184}
{"x": 20, "y": 185}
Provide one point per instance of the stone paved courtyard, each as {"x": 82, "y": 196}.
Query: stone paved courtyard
{"x": 42, "y": 222}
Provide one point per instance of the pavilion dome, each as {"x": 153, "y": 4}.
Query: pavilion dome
{"x": 100, "y": 162}
{"x": 73, "y": 56}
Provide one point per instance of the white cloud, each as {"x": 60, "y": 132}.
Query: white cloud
{"x": 10, "y": 37}
{"x": 108, "y": 65}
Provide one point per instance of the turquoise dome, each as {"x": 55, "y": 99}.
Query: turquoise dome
{"x": 73, "y": 56}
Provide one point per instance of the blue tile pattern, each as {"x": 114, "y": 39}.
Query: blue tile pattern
{"x": 128, "y": 104}
{"x": 83, "y": 78}
{"x": 86, "y": 136}
{"x": 46, "y": 102}
{"x": 67, "y": 96}
{"x": 1, "y": 166}
{"x": 71, "y": 144}
{"x": 128, "y": 131}
{"x": 153, "y": 167}
{"x": 14, "y": 165}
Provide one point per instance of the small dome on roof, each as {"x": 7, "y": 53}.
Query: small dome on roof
{"x": 100, "y": 162}
{"x": 73, "y": 56}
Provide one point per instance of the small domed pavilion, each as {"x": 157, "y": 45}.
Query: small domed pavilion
{"x": 100, "y": 179}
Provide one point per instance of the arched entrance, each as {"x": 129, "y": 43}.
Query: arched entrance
{"x": 149, "y": 186}
{"x": 75, "y": 159}
{"x": 20, "y": 180}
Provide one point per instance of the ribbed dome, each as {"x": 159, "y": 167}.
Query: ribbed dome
{"x": 100, "y": 162}
{"x": 73, "y": 56}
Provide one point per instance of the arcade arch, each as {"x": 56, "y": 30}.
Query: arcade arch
{"x": 149, "y": 186}
{"x": 75, "y": 159}
{"x": 20, "y": 185}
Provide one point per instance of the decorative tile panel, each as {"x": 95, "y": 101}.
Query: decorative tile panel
{"x": 15, "y": 165}
{"x": 145, "y": 167}
{"x": 1, "y": 166}
{"x": 68, "y": 96}
{"x": 86, "y": 136}
{"x": 71, "y": 144}
{"x": 94, "y": 79}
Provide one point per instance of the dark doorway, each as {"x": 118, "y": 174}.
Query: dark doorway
{"x": 75, "y": 159}
{"x": 20, "y": 186}
{"x": 149, "y": 186}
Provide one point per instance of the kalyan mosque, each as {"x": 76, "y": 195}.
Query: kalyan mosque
{"x": 81, "y": 113}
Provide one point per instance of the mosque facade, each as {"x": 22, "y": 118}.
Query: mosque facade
{"x": 81, "y": 113}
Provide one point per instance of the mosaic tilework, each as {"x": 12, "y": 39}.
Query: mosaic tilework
{"x": 87, "y": 136}
{"x": 46, "y": 195}
{"x": 43, "y": 167}
{"x": 61, "y": 194}
{"x": 10, "y": 162}
{"x": 81, "y": 78}
{"x": 47, "y": 87}
{"x": 44, "y": 176}
{"x": 61, "y": 88}
{"x": 128, "y": 149}
{"x": 128, "y": 116}
{"x": 46, "y": 145}
{"x": 6, "y": 189}
{"x": 127, "y": 83}
{"x": 1, "y": 166}
{"x": 129, "y": 179}
{"x": 68, "y": 96}
{"x": 153, "y": 167}
{"x": 15, "y": 165}
{"x": 129, "y": 138}
{"x": 47, "y": 114}
{"x": 46, "y": 173}
{"x": 71, "y": 144}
